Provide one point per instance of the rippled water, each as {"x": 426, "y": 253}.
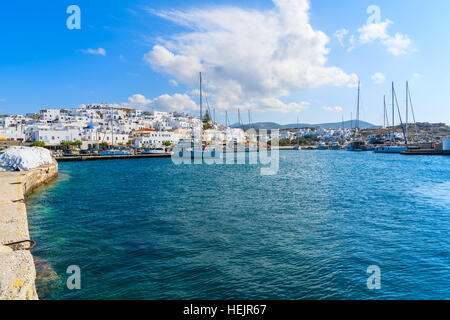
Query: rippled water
{"x": 147, "y": 229}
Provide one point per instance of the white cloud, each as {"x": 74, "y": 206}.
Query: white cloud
{"x": 2, "y": 100}
{"x": 416, "y": 76}
{"x": 177, "y": 102}
{"x": 399, "y": 44}
{"x": 274, "y": 104}
{"x": 374, "y": 31}
{"x": 247, "y": 56}
{"x": 352, "y": 39}
{"x": 351, "y": 42}
{"x": 139, "y": 100}
{"x": 173, "y": 82}
{"x": 378, "y": 78}
{"x": 337, "y": 109}
{"x": 99, "y": 51}
{"x": 340, "y": 35}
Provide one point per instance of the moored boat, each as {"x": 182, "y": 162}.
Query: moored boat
{"x": 390, "y": 149}
{"x": 358, "y": 145}
{"x": 154, "y": 151}
{"x": 116, "y": 153}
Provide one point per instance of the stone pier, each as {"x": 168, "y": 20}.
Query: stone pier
{"x": 17, "y": 270}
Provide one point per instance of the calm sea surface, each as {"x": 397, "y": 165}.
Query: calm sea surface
{"x": 148, "y": 229}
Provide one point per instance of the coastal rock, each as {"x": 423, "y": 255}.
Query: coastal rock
{"x": 24, "y": 158}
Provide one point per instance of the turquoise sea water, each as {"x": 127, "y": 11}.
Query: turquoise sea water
{"x": 148, "y": 229}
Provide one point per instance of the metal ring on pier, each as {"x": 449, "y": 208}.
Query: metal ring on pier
{"x": 33, "y": 244}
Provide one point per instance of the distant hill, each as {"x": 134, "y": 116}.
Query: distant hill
{"x": 333, "y": 125}
{"x": 258, "y": 126}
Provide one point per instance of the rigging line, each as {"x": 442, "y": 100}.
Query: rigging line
{"x": 388, "y": 107}
{"x": 387, "y": 116}
{"x": 414, "y": 117}
{"x": 400, "y": 117}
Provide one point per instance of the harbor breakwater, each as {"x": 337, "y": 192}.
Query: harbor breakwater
{"x": 17, "y": 269}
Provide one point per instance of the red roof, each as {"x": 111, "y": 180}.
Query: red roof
{"x": 146, "y": 130}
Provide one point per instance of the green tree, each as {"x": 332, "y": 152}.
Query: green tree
{"x": 39, "y": 144}
{"x": 207, "y": 117}
{"x": 167, "y": 143}
{"x": 207, "y": 123}
{"x": 77, "y": 143}
{"x": 65, "y": 144}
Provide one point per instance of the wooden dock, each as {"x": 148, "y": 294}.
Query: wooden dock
{"x": 112, "y": 157}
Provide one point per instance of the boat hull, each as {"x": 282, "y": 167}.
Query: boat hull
{"x": 390, "y": 149}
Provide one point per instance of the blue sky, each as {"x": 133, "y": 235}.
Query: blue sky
{"x": 45, "y": 65}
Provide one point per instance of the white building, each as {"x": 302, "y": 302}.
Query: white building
{"x": 55, "y": 137}
{"x": 49, "y": 114}
{"x": 155, "y": 138}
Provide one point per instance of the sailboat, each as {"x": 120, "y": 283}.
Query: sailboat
{"x": 358, "y": 145}
{"x": 193, "y": 148}
{"x": 393, "y": 147}
{"x": 298, "y": 137}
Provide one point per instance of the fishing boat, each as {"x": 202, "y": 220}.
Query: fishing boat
{"x": 116, "y": 153}
{"x": 154, "y": 150}
{"x": 390, "y": 149}
{"x": 322, "y": 146}
{"x": 192, "y": 149}
{"x": 358, "y": 145}
{"x": 335, "y": 146}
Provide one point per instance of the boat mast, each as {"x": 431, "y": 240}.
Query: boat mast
{"x": 239, "y": 119}
{"x": 406, "y": 124}
{"x": 351, "y": 121}
{"x": 357, "y": 109}
{"x": 414, "y": 116}
{"x": 393, "y": 113}
{"x": 400, "y": 118}
{"x": 201, "y": 100}
{"x": 112, "y": 129}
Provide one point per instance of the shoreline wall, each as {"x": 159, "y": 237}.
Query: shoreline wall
{"x": 17, "y": 269}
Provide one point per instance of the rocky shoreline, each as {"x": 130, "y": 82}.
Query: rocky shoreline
{"x": 17, "y": 269}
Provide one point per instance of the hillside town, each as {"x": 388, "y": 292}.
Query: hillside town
{"x": 102, "y": 126}
{"x": 92, "y": 126}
